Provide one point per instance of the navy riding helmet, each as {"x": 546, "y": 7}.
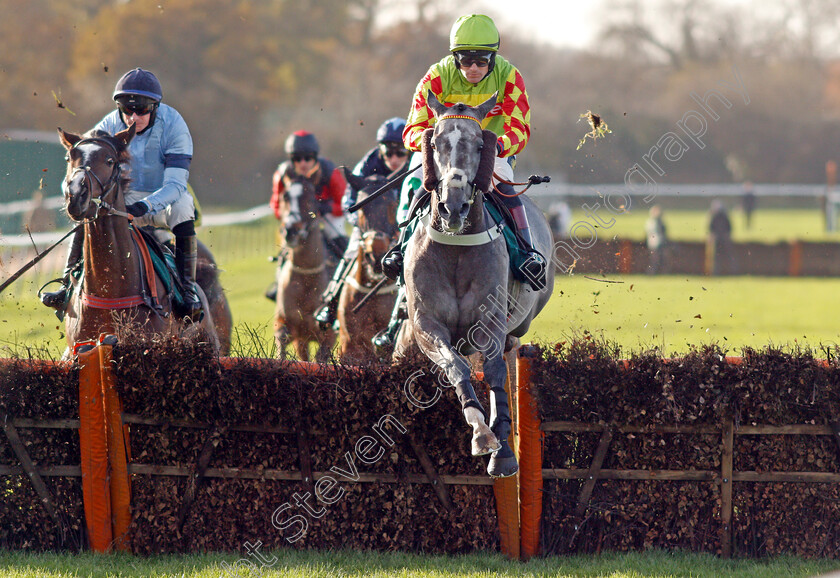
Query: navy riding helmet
{"x": 138, "y": 82}
{"x": 391, "y": 130}
{"x": 301, "y": 142}
{"x": 139, "y": 89}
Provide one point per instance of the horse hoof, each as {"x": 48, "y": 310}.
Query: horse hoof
{"x": 484, "y": 444}
{"x": 502, "y": 467}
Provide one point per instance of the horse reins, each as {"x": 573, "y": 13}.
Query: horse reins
{"x": 111, "y": 184}
{"x": 113, "y": 180}
{"x": 532, "y": 180}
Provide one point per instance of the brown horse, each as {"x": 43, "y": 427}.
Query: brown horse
{"x": 113, "y": 294}
{"x": 302, "y": 276}
{"x": 378, "y": 229}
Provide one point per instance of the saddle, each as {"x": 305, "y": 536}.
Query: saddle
{"x": 157, "y": 258}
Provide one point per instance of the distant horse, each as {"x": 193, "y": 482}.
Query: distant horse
{"x": 302, "y": 276}
{"x": 460, "y": 292}
{"x": 378, "y": 226}
{"x": 113, "y": 291}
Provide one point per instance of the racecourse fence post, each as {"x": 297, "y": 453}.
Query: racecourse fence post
{"x": 726, "y": 486}
{"x": 625, "y": 259}
{"x": 118, "y": 448}
{"x": 93, "y": 449}
{"x": 506, "y": 491}
{"x": 530, "y": 457}
{"x": 795, "y": 260}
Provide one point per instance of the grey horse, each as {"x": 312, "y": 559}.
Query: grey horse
{"x": 461, "y": 295}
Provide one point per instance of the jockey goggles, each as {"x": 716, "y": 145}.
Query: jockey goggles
{"x": 393, "y": 150}
{"x": 467, "y": 58}
{"x": 301, "y": 157}
{"x": 139, "y": 108}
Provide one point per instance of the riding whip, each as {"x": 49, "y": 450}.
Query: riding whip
{"x": 35, "y": 261}
{"x": 373, "y": 291}
{"x": 381, "y": 190}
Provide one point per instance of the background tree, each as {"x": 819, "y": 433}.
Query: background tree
{"x": 245, "y": 74}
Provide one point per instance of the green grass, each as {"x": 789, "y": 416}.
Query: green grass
{"x": 637, "y": 312}
{"x": 654, "y": 564}
{"x": 768, "y": 226}
{"x": 674, "y": 312}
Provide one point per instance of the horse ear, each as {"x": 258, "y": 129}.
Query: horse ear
{"x": 68, "y": 139}
{"x": 486, "y": 106}
{"x": 126, "y": 135}
{"x": 357, "y": 182}
{"x": 437, "y": 107}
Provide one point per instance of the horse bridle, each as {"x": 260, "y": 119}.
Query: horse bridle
{"x": 109, "y": 186}
{"x": 473, "y": 189}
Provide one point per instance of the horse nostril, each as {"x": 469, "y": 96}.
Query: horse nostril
{"x": 465, "y": 209}
{"x": 443, "y": 210}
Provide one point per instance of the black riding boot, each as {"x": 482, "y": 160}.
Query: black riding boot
{"x": 383, "y": 342}
{"x": 534, "y": 266}
{"x": 186, "y": 258}
{"x": 392, "y": 262}
{"x": 58, "y": 299}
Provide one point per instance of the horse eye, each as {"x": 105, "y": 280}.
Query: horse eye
{"x": 110, "y": 161}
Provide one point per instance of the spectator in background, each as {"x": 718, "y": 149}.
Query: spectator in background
{"x": 719, "y": 249}
{"x": 560, "y": 219}
{"x": 748, "y": 203}
{"x": 657, "y": 240}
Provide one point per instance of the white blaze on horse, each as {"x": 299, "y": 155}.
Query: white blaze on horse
{"x": 462, "y": 297}
{"x": 117, "y": 289}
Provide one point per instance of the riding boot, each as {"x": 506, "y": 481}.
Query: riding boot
{"x": 383, "y": 342}
{"x": 186, "y": 258}
{"x": 534, "y": 266}
{"x": 392, "y": 263}
{"x": 58, "y": 299}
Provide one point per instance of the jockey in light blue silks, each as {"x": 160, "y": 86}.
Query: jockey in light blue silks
{"x": 161, "y": 152}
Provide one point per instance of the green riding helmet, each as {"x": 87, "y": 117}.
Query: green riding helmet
{"x": 474, "y": 32}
